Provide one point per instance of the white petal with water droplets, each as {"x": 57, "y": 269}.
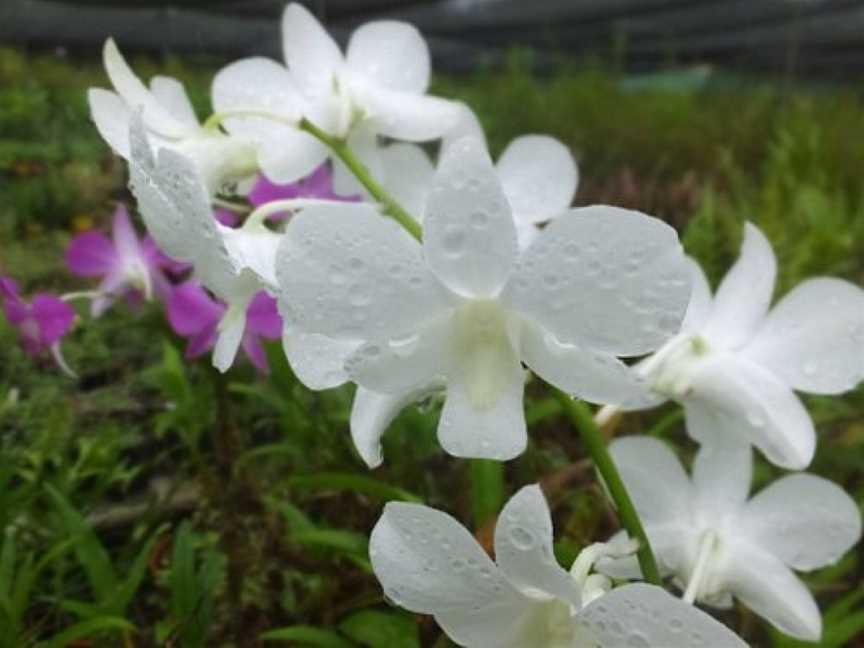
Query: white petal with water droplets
{"x": 483, "y": 415}
{"x": 744, "y": 295}
{"x": 346, "y": 271}
{"x": 770, "y": 589}
{"x": 699, "y": 307}
{"x": 657, "y": 483}
{"x": 806, "y": 521}
{"x": 539, "y": 177}
{"x": 408, "y": 174}
{"x": 814, "y": 337}
{"x": 606, "y": 278}
{"x": 390, "y": 53}
{"x": 405, "y": 115}
{"x": 137, "y": 96}
{"x": 592, "y": 376}
{"x": 722, "y": 471}
{"x": 646, "y": 616}
{"x": 112, "y": 117}
{"x": 469, "y": 237}
{"x": 429, "y": 563}
{"x": 317, "y": 361}
{"x": 749, "y": 401}
{"x": 523, "y": 547}
{"x": 169, "y": 92}
{"x": 310, "y": 52}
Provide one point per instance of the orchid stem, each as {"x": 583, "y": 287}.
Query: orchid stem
{"x": 390, "y": 206}
{"x": 581, "y": 417}
{"x": 487, "y": 489}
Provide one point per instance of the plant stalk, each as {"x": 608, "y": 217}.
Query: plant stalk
{"x": 390, "y": 206}
{"x": 582, "y": 419}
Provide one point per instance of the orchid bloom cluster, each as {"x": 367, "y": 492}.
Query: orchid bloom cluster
{"x": 410, "y": 278}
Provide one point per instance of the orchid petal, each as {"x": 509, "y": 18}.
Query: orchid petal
{"x": 408, "y": 174}
{"x": 313, "y": 57}
{"x": 769, "y": 588}
{"x": 137, "y": 96}
{"x": 191, "y": 310}
{"x": 657, "y": 483}
{"x": 429, "y": 563}
{"x": 699, "y": 308}
{"x": 169, "y": 92}
{"x": 347, "y": 272}
{"x": 804, "y": 520}
{"x": 523, "y": 547}
{"x": 813, "y": 339}
{"x": 405, "y": 365}
{"x": 592, "y": 376}
{"x": 722, "y": 471}
{"x": 605, "y": 278}
{"x": 539, "y": 177}
{"x": 754, "y": 405}
{"x": 483, "y": 415}
{"x": 363, "y": 142}
{"x": 111, "y": 115}
{"x": 647, "y": 615}
{"x": 405, "y": 115}
{"x": 231, "y": 329}
{"x": 469, "y": 237}
{"x": 317, "y": 361}
{"x": 466, "y": 125}
{"x": 371, "y": 415}
{"x": 744, "y": 295}
{"x": 391, "y": 54}
{"x": 54, "y": 317}
{"x": 91, "y": 254}
{"x": 124, "y": 235}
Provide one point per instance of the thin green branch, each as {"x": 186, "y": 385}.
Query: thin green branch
{"x": 581, "y": 417}
{"x": 390, "y": 206}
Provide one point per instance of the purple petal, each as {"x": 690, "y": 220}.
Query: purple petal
{"x": 201, "y": 342}
{"x": 156, "y": 258}
{"x": 226, "y": 217}
{"x": 53, "y": 316}
{"x": 191, "y": 310}
{"x": 9, "y": 288}
{"x": 91, "y": 254}
{"x": 264, "y": 191}
{"x": 262, "y": 316}
{"x": 125, "y": 237}
{"x": 252, "y": 346}
{"x": 16, "y": 311}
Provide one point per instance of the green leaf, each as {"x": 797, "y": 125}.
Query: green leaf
{"x": 294, "y": 517}
{"x": 351, "y": 482}
{"x": 354, "y": 546}
{"x": 88, "y": 549}
{"x": 307, "y": 636}
{"x": 374, "y": 629}
{"x": 88, "y": 629}
{"x": 135, "y": 576}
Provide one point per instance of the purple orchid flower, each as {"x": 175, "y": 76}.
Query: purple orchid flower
{"x": 41, "y": 323}
{"x": 130, "y": 267}
{"x": 195, "y": 315}
{"x": 318, "y": 184}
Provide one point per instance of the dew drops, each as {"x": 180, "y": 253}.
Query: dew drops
{"x": 454, "y": 241}
{"x": 479, "y": 219}
{"x": 676, "y": 625}
{"x": 755, "y": 419}
{"x": 638, "y": 640}
{"x": 337, "y": 277}
{"x": 521, "y": 538}
{"x": 355, "y": 263}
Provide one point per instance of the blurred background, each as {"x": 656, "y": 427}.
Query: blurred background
{"x": 152, "y": 502}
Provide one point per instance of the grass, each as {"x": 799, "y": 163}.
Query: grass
{"x": 154, "y": 502}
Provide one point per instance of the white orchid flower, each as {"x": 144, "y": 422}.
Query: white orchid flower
{"x": 169, "y": 120}
{"x": 429, "y": 563}
{"x": 537, "y": 173}
{"x": 465, "y": 309}
{"x": 175, "y": 205}
{"x": 718, "y": 544}
{"x": 378, "y": 87}
{"x": 734, "y": 365}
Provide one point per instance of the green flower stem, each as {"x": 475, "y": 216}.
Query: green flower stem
{"x": 581, "y": 417}
{"x": 487, "y": 490}
{"x": 391, "y": 207}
